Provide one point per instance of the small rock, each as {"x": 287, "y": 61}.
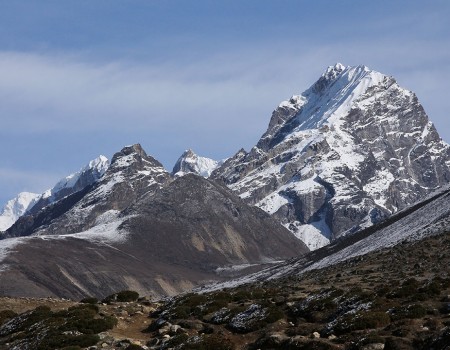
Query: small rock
{"x": 332, "y": 337}
{"x": 166, "y": 336}
{"x": 104, "y": 345}
{"x": 315, "y": 335}
{"x": 374, "y": 346}
{"x": 164, "y": 330}
{"x": 147, "y": 309}
{"x": 277, "y": 338}
{"x": 174, "y": 329}
{"x": 124, "y": 313}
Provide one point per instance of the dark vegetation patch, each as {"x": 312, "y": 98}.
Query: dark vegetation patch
{"x": 42, "y": 328}
{"x": 398, "y": 298}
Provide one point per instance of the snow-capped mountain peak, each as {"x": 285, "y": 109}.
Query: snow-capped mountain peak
{"x": 96, "y": 168}
{"x": 15, "y": 208}
{"x": 352, "y": 149}
{"x": 131, "y": 174}
{"x": 189, "y": 162}
{"x": 32, "y": 203}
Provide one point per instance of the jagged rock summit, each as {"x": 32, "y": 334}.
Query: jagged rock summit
{"x": 189, "y": 162}
{"x": 348, "y": 152}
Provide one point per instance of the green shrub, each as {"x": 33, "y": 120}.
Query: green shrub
{"x": 192, "y": 300}
{"x": 408, "y": 288}
{"x": 242, "y": 295}
{"x": 28, "y": 319}
{"x": 274, "y": 314}
{"x": 6, "y": 315}
{"x": 362, "y": 320}
{"x": 177, "y": 340}
{"x": 409, "y": 311}
{"x": 127, "y": 295}
{"x": 210, "y": 342}
{"x": 90, "y": 300}
{"x": 123, "y": 296}
{"x": 134, "y": 347}
{"x": 181, "y": 312}
{"x": 56, "y": 341}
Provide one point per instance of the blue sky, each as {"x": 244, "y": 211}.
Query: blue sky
{"x": 83, "y": 78}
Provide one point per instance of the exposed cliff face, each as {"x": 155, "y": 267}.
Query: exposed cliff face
{"x": 352, "y": 149}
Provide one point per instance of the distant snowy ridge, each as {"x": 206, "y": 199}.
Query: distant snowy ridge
{"x": 26, "y": 202}
{"x": 16, "y": 207}
{"x": 349, "y": 151}
{"x": 189, "y": 162}
{"x": 96, "y": 167}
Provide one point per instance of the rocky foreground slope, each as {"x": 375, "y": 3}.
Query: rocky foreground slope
{"x": 395, "y": 298}
{"x": 345, "y": 154}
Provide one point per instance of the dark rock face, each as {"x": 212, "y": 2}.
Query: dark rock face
{"x": 196, "y": 220}
{"x": 348, "y": 152}
{"x": 131, "y": 174}
{"x": 140, "y": 230}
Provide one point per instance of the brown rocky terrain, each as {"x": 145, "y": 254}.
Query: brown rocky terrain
{"x": 395, "y": 298}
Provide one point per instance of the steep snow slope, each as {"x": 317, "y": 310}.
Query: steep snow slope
{"x": 75, "y": 182}
{"x": 15, "y": 208}
{"x": 189, "y": 162}
{"x": 351, "y": 150}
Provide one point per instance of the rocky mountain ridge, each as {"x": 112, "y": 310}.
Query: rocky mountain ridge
{"x": 347, "y": 153}
{"x": 31, "y": 203}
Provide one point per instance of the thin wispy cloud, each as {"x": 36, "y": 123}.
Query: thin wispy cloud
{"x": 28, "y": 181}
{"x": 191, "y": 75}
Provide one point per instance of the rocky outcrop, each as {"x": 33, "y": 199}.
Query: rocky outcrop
{"x": 351, "y": 150}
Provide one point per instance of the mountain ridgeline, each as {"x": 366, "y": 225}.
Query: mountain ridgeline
{"x": 139, "y": 228}
{"x": 349, "y": 152}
